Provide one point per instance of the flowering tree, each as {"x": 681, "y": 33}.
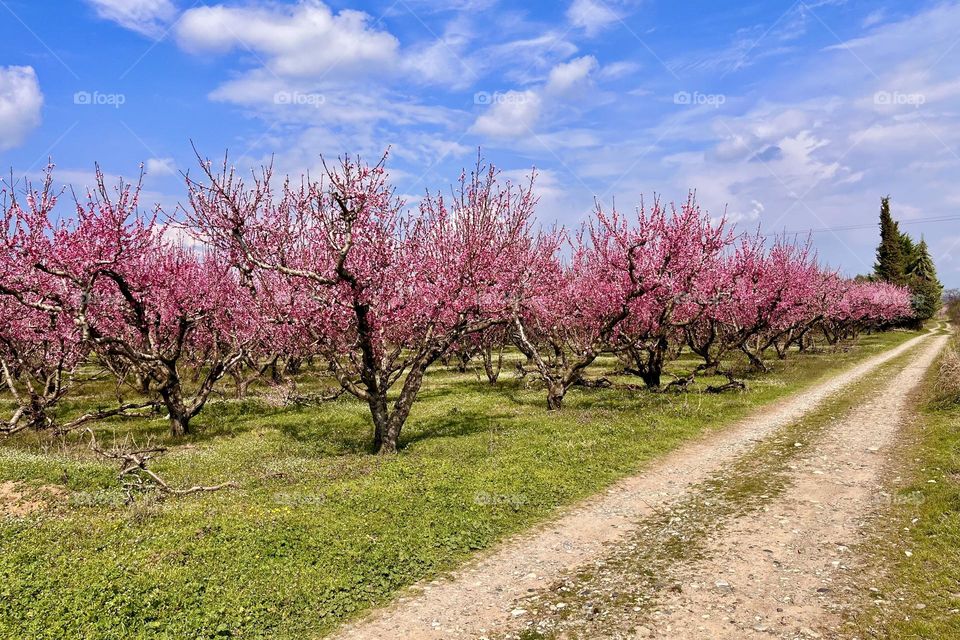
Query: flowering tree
{"x": 759, "y": 298}
{"x": 39, "y": 347}
{"x": 624, "y": 286}
{"x": 865, "y": 305}
{"x": 774, "y": 297}
{"x": 338, "y": 269}
{"x": 39, "y": 352}
{"x": 137, "y": 299}
{"x": 490, "y": 344}
{"x": 690, "y": 247}
{"x": 385, "y": 293}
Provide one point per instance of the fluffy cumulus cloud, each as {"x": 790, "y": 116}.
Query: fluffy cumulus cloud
{"x": 570, "y": 75}
{"x": 591, "y": 15}
{"x": 516, "y": 114}
{"x": 148, "y": 17}
{"x": 513, "y": 114}
{"x": 20, "y": 103}
{"x": 763, "y": 133}
{"x": 310, "y": 66}
{"x": 302, "y": 40}
{"x": 820, "y": 154}
{"x": 161, "y": 166}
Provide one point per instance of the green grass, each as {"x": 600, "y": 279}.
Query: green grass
{"x": 919, "y": 593}
{"x": 320, "y": 530}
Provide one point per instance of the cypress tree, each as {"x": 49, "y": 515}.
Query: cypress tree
{"x": 923, "y": 266}
{"x": 926, "y": 287}
{"x": 890, "y": 265}
{"x": 908, "y": 250}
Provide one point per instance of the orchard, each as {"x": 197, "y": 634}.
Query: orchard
{"x": 339, "y": 273}
{"x": 591, "y": 339}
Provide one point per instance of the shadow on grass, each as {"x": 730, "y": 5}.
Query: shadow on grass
{"x": 334, "y": 434}
{"x": 456, "y": 424}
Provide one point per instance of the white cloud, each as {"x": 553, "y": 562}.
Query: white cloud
{"x": 749, "y": 45}
{"x": 591, "y": 15}
{"x": 148, "y": 17}
{"x": 514, "y": 114}
{"x": 307, "y": 39}
{"x": 161, "y": 166}
{"x": 448, "y": 59}
{"x": 874, "y": 18}
{"x": 617, "y": 70}
{"x": 569, "y": 75}
{"x": 538, "y": 54}
{"x": 20, "y": 104}
{"x": 314, "y": 68}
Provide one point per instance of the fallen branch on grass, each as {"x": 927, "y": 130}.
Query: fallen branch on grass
{"x": 315, "y": 398}
{"x": 135, "y": 476}
{"x": 102, "y": 414}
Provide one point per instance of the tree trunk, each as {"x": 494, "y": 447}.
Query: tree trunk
{"x": 651, "y": 377}
{"x": 241, "y": 383}
{"x": 648, "y": 362}
{"x": 143, "y": 384}
{"x": 555, "y": 393}
{"x": 755, "y": 360}
{"x": 401, "y": 408}
{"x": 294, "y": 365}
{"x": 179, "y": 424}
{"x": 389, "y": 424}
{"x": 172, "y": 396}
{"x": 276, "y": 376}
{"x": 525, "y": 350}
{"x": 380, "y": 416}
{"x": 655, "y": 360}
{"x": 492, "y": 370}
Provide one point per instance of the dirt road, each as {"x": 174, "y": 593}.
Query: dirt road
{"x": 486, "y": 597}
{"x": 782, "y": 570}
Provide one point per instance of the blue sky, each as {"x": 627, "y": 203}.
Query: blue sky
{"x": 787, "y": 115}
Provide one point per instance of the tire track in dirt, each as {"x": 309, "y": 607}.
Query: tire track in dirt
{"x": 480, "y": 596}
{"x": 778, "y": 572}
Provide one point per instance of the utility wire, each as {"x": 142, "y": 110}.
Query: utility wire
{"x": 854, "y": 227}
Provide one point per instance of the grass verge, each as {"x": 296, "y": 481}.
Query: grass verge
{"x": 915, "y": 551}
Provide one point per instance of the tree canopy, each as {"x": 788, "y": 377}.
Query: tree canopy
{"x": 904, "y": 262}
